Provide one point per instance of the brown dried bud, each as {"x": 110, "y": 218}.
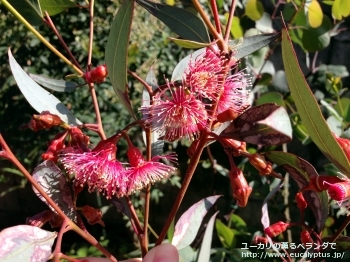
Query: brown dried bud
{"x": 45, "y": 120}
{"x": 92, "y": 215}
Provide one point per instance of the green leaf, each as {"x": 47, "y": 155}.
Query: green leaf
{"x": 54, "y": 7}
{"x": 343, "y": 108}
{"x": 29, "y": 9}
{"x": 314, "y": 14}
{"x": 117, "y": 51}
{"x": 54, "y": 84}
{"x": 316, "y": 39}
{"x": 254, "y": 9}
{"x": 251, "y": 44}
{"x": 226, "y": 235}
{"x": 340, "y": 9}
{"x": 236, "y": 28}
{"x": 299, "y": 130}
{"x": 309, "y": 110}
{"x": 271, "y": 97}
{"x": 301, "y": 171}
{"x": 180, "y": 21}
{"x": 188, "y": 43}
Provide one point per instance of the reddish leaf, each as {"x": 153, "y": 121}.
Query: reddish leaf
{"x": 52, "y": 181}
{"x": 267, "y": 124}
{"x": 187, "y": 227}
{"x": 25, "y": 243}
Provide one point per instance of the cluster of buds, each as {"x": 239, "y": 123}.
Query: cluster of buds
{"x": 240, "y": 187}
{"x": 96, "y": 75}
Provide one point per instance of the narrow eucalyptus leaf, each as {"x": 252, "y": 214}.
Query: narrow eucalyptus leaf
{"x": 39, "y": 98}
{"x": 180, "y": 21}
{"x": 117, "y": 51}
{"x": 54, "y": 84}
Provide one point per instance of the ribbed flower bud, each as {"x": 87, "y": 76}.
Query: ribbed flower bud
{"x": 276, "y": 229}
{"x": 260, "y": 163}
{"x": 306, "y": 238}
{"x": 260, "y": 240}
{"x": 236, "y": 145}
{"x": 96, "y": 75}
{"x": 241, "y": 189}
{"x": 344, "y": 144}
{"x": 56, "y": 145}
{"x": 135, "y": 156}
{"x": 339, "y": 191}
{"x": 77, "y": 138}
{"x": 45, "y": 120}
{"x": 301, "y": 203}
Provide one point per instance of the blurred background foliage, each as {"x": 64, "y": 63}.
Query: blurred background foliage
{"x": 320, "y": 31}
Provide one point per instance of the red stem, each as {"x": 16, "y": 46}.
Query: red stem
{"x": 187, "y": 179}
{"x": 54, "y": 29}
{"x": 214, "y": 8}
{"x": 229, "y": 21}
{"x": 10, "y": 156}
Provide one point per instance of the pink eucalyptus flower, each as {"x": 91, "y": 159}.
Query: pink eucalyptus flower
{"x": 235, "y": 95}
{"x": 204, "y": 75}
{"x": 97, "y": 168}
{"x": 142, "y": 172}
{"x": 178, "y": 116}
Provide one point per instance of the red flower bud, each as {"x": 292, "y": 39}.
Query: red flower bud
{"x": 260, "y": 163}
{"x": 45, "y": 120}
{"x": 241, "y": 189}
{"x": 301, "y": 203}
{"x": 135, "y": 156}
{"x": 97, "y": 74}
{"x": 228, "y": 115}
{"x": 306, "y": 237}
{"x": 339, "y": 191}
{"x": 92, "y": 215}
{"x": 56, "y": 145}
{"x": 77, "y": 138}
{"x": 260, "y": 240}
{"x": 344, "y": 144}
{"x": 320, "y": 183}
{"x": 276, "y": 229}
{"x": 234, "y": 144}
